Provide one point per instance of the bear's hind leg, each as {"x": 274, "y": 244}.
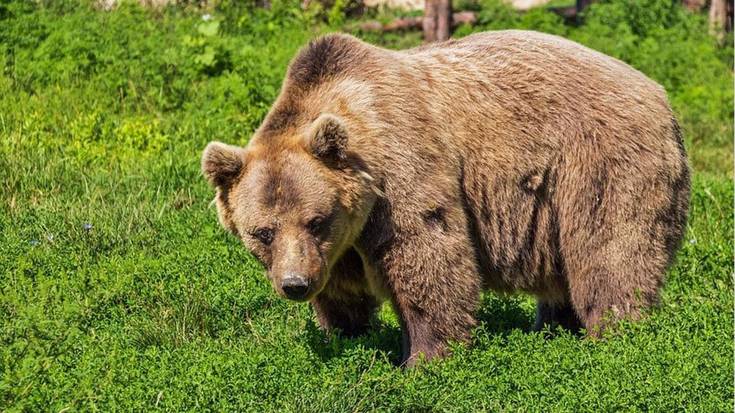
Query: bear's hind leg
{"x": 615, "y": 261}
{"x": 601, "y": 298}
{"x": 621, "y": 215}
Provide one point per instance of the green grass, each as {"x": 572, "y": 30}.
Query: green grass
{"x": 102, "y": 120}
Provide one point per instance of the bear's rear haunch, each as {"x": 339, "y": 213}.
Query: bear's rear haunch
{"x": 512, "y": 160}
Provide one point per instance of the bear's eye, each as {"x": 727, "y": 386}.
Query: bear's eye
{"x": 264, "y": 235}
{"x": 316, "y": 225}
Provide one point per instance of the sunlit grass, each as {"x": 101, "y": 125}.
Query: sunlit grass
{"x": 119, "y": 291}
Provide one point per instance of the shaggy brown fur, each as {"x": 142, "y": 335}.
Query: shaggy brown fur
{"x": 513, "y": 161}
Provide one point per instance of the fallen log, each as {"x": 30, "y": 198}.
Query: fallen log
{"x": 570, "y": 14}
{"x": 412, "y": 23}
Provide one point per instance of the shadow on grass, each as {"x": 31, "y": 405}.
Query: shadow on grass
{"x": 501, "y": 315}
{"x": 496, "y": 315}
{"x": 382, "y": 337}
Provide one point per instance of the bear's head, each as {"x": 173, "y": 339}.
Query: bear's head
{"x": 297, "y": 201}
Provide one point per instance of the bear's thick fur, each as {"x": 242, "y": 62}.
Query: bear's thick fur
{"x": 511, "y": 160}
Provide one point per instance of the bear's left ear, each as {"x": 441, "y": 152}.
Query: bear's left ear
{"x": 327, "y": 139}
{"x": 221, "y": 163}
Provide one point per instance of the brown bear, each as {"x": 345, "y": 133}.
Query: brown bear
{"x": 509, "y": 161}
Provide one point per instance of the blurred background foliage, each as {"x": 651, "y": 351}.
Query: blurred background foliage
{"x": 222, "y": 66}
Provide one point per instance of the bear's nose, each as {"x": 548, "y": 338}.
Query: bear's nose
{"x": 295, "y": 287}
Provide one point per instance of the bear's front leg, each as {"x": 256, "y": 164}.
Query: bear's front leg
{"x": 349, "y": 314}
{"x": 435, "y": 285}
{"x": 556, "y": 314}
{"x": 346, "y": 304}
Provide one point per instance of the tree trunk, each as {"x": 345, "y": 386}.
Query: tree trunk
{"x": 444, "y": 20}
{"x": 720, "y": 18}
{"x": 410, "y": 23}
{"x": 437, "y": 21}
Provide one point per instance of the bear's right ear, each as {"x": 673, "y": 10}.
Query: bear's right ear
{"x": 221, "y": 163}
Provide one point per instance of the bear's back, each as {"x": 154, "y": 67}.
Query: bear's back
{"x": 524, "y": 83}
{"x": 532, "y": 50}
{"x": 478, "y": 91}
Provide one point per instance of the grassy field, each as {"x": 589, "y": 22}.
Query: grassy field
{"x": 119, "y": 291}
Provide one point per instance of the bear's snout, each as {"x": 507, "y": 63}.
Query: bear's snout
{"x": 298, "y": 271}
{"x": 295, "y": 286}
